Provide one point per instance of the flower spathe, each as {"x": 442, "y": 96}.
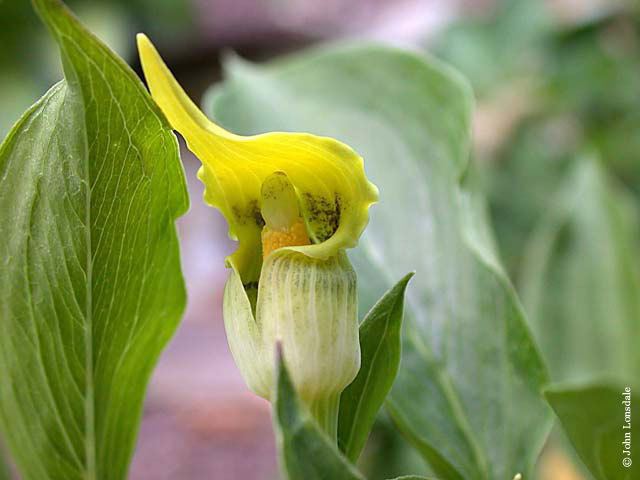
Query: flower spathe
{"x": 294, "y": 202}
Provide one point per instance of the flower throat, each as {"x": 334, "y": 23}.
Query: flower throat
{"x": 284, "y": 226}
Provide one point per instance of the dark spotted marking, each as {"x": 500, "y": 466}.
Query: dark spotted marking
{"x": 323, "y": 215}
{"x": 248, "y": 214}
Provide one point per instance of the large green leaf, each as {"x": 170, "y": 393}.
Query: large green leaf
{"x": 305, "y": 452}
{"x": 380, "y": 348}
{"x": 468, "y": 391}
{"x": 91, "y": 281}
{"x": 593, "y": 417}
{"x": 581, "y": 279}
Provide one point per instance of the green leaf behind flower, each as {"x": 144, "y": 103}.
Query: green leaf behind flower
{"x": 380, "y": 349}
{"x": 305, "y": 452}
{"x": 91, "y": 282}
{"x": 468, "y": 391}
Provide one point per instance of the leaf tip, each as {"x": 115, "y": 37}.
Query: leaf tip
{"x": 408, "y": 277}
{"x": 279, "y": 354}
{"x": 281, "y": 374}
{"x": 404, "y": 281}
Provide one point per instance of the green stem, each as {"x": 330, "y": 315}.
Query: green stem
{"x": 325, "y": 412}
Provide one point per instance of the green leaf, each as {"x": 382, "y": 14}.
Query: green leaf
{"x": 4, "y": 468}
{"x": 468, "y": 391}
{"x": 380, "y": 350}
{"x": 305, "y": 452}
{"x": 411, "y": 477}
{"x": 593, "y": 416}
{"x": 387, "y": 453}
{"x": 91, "y": 282}
{"x": 581, "y": 278}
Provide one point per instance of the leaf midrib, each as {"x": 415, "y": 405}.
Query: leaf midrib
{"x": 89, "y": 402}
{"x": 40, "y": 106}
{"x": 90, "y": 439}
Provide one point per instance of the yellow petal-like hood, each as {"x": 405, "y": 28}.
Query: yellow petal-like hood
{"x": 333, "y": 191}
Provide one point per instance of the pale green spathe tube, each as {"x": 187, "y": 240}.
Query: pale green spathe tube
{"x": 309, "y": 305}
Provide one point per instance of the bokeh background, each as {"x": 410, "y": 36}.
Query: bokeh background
{"x": 553, "y": 79}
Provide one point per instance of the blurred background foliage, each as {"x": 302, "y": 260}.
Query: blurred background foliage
{"x": 557, "y": 141}
{"x": 551, "y": 83}
{"x": 29, "y": 61}
{"x": 557, "y": 146}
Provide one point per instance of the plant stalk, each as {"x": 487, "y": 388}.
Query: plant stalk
{"x": 325, "y": 412}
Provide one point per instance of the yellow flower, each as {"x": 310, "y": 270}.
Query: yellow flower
{"x": 294, "y": 202}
